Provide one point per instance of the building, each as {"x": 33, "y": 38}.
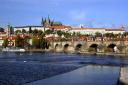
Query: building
{"x": 29, "y": 28}
{"x": 62, "y": 28}
{"x": 46, "y": 22}
{"x": 92, "y": 31}
{"x": 3, "y": 35}
{"x": 115, "y": 31}
{"x": 89, "y": 31}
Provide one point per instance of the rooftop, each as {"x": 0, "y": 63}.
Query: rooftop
{"x": 60, "y": 27}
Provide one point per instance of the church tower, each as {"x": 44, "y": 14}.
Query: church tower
{"x": 10, "y": 30}
{"x": 46, "y": 22}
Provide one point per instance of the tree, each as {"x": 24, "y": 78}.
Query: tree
{"x": 36, "y": 42}
{"x": 98, "y": 34}
{"x": 67, "y": 35}
{"x": 11, "y": 30}
{"x": 109, "y": 35}
{"x": 35, "y": 32}
{"x": 49, "y": 31}
{"x": 5, "y": 43}
{"x": 17, "y": 31}
{"x": 125, "y": 34}
{"x": 30, "y": 30}
{"x": 60, "y": 33}
{"x": 40, "y": 32}
{"x": 20, "y": 41}
{"x": 23, "y": 31}
{"x": 44, "y": 44}
{"x": 40, "y": 42}
{"x": 1, "y": 29}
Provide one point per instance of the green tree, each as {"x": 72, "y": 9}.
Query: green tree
{"x": 20, "y": 41}
{"x": 98, "y": 34}
{"x": 17, "y": 31}
{"x": 40, "y": 42}
{"x": 35, "y": 32}
{"x": 36, "y": 42}
{"x": 5, "y": 43}
{"x": 67, "y": 35}
{"x": 23, "y": 31}
{"x": 125, "y": 34}
{"x": 40, "y": 32}
{"x": 110, "y": 36}
{"x": 44, "y": 44}
{"x": 1, "y": 29}
{"x": 30, "y": 30}
{"x": 10, "y": 29}
{"x": 107, "y": 34}
{"x": 60, "y": 33}
{"x": 49, "y": 31}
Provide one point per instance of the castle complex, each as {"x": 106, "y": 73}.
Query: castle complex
{"x": 47, "y": 24}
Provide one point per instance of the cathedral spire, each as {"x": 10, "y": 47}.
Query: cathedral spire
{"x": 46, "y": 22}
{"x": 49, "y": 19}
{"x": 42, "y": 22}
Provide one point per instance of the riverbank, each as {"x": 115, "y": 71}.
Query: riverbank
{"x": 113, "y": 54}
{"x": 102, "y": 53}
{"x": 84, "y": 53}
{"x": 79, "y": 52}
{"x": 35, "y": 50}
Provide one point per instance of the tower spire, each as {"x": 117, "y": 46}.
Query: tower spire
{"x": 42, "y": 21}
{"x": 49, "y": 19}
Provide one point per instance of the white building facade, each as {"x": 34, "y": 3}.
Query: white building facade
{"x": 89, "y": 31}
{"x": 27, "y": 28}
{"x": 93, "y": 31}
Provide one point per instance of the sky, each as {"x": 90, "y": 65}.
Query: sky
{"x": 93, "y": 13}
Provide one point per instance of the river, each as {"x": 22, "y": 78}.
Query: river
{"x": 24, "y": 68}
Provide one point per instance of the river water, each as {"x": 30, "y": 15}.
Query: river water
{"x": 22, "y": 68}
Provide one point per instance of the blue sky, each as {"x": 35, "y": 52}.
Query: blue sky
{"x": 100, "y": 13}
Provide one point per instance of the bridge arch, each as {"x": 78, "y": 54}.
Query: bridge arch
{"x": 111, "y": 46}
{"x": 78, "y": 47}
{"x": 56, "y": 46}
{"x": 66, "y": 47}
{"x": 93, "y": 47}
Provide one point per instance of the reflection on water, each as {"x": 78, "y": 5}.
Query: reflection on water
{"x": 61, "y": 57}
{"x": 88, "y": 75}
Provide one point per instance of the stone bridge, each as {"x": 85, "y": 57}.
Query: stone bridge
{"x": 95, "y": 46}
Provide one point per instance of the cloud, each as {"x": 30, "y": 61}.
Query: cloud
{"x": 77, "y": 15}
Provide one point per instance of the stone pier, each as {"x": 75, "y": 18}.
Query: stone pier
{"x": 123, "y": 76}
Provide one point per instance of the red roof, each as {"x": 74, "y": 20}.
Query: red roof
{"x": 59, "y": 27}
{"x": 11, "y": 38}
{"x": 114, "y": 30}
{"x": 89, "y": 29}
